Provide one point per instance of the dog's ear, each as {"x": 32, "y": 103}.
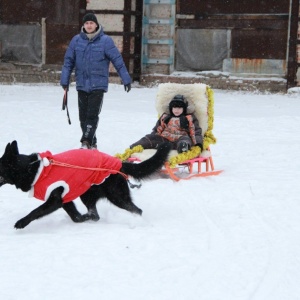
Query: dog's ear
{"x": 7, "y": 149}
{"x": 14, "y": 148}
{"x": 10, "y": 150}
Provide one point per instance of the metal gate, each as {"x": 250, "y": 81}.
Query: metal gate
{"x": 158, "y": 44}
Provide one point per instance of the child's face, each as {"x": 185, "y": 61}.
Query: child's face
{"x": 177, "y": 111}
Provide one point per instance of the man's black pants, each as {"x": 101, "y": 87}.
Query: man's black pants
{"x": 89, "y": 106}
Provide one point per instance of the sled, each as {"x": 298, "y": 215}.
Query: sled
{"x": 188, "y": 164}
{"x": 176, "y": 173}
{"x": 185, "y": 170}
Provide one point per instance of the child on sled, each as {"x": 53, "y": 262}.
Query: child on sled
{"x": 179, "y": 128}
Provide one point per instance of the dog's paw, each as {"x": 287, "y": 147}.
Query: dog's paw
{"x": 22, "y": 223}
{"x": 79, "y": 219}
{"x": 93, "y": 217}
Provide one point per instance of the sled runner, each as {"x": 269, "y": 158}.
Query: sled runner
{"x": 187, "y": 164}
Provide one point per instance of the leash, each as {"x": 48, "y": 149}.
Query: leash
{"x": 60, "y": 164}
{"x": 65, "y": 104}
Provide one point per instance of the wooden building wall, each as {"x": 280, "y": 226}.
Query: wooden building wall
{"x": 62, "y": 17}
{"x": 259, "y": 29}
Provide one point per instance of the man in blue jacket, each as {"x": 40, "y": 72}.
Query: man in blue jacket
{"x": 90, "y": 53}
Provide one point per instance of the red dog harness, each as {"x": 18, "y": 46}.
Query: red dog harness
{"x": 75, "y": 170}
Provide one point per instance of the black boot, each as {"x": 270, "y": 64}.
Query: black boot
{"x": 183, "y": 147}
{"x": 85, "y": 145}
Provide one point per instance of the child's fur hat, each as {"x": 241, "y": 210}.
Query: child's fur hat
{"x": 178, "y": 101}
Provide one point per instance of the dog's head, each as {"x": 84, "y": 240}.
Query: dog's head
{"x": 8, "y": 163}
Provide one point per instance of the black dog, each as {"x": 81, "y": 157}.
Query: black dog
{"x": 23, "y": 171}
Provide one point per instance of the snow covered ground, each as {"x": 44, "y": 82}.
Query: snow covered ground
{"x": 234, "y": 236}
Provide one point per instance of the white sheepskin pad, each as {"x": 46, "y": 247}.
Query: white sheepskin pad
{"x": 194, "y": 93}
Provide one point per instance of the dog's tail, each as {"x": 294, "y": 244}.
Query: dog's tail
{"x": 150, "y": 166}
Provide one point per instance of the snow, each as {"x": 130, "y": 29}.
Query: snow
{"x": 234, "y": 236}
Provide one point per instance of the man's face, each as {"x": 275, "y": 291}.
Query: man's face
{"x": 90, "y": 26}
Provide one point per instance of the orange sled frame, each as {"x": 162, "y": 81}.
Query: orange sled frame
{"x": 176, "y": 173}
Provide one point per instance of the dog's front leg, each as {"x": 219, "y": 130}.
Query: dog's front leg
{"x": 53, "y": 203}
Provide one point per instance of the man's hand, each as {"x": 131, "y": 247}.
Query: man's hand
{"x": 127, "y": 87}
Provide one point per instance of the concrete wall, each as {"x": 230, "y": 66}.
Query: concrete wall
{"x": 22, "y": 43}
{"x": 201, "y": 49}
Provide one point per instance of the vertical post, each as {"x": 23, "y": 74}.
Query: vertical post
{"x": 138, "y": 41}
{"x": 83, "y": 7}
{"x": 44, "y": 46}
{"x": 126, "y": 35}
{"x": 292, "y": 44}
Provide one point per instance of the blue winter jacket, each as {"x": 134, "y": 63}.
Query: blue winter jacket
{"x": 91, "y": 61}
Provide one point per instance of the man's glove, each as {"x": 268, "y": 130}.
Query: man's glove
{"x": 65, "y": 87}
{"x": 127, "y": 87}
